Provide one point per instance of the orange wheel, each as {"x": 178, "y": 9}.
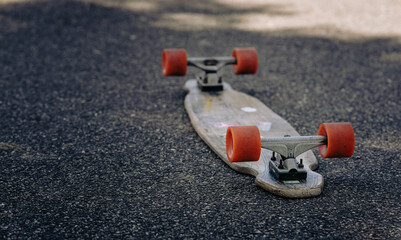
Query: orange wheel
{"x": 247, "y": 60}
{"x": 174, "y": 62}
{"x": 340, "y": 140}
{"x": 243, "y": 143}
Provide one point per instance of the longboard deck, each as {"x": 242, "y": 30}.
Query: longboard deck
{"x": 212, "y": 112}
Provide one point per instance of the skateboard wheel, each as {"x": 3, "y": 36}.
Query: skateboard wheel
{"x": 243, "y": 143}
{"x": 174, "y": 62}
{"x": 340, "y": 140}
{"x": 247, "y": 60}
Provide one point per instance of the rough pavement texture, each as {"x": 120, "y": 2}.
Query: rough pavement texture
{"x": 94, "y": 142}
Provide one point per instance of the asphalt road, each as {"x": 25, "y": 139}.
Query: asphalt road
{"x": 96, "y": 143}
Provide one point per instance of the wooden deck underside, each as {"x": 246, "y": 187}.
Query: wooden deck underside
{"x": 212, "y": 112}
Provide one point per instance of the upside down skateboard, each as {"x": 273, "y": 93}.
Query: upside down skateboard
{"x": 247, "y": 135}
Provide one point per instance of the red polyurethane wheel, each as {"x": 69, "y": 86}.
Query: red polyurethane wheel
{"x": 174, "y": 62}
{"x": 340, "y": 140}
{"x": 247, "y": 60}
{"x": 243, "y": 143}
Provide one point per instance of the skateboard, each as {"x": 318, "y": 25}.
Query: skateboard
{"x": 249, "y": 136}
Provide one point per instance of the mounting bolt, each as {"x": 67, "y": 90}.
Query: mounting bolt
{"x": 301, "y": 165}
{"x": 273, "y": 158}
{"x": 281, "y": 164}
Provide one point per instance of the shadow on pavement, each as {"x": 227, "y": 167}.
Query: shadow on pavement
{"x": 102, "y": 145}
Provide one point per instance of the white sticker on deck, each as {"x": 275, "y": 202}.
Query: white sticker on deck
{"x": 222, "y": 125}
{"x": 249, "y": 109}
{"x": 264, "y": 126}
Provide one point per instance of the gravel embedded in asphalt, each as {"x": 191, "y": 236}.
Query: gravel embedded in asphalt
{"x": 96, "y": 143}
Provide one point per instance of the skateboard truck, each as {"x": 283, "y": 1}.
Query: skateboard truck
{"x": 210, "y": 79}
{"x": 175, "y": 62}
{"x": 284, "y": 166}
{"x": 244, "y": 143}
